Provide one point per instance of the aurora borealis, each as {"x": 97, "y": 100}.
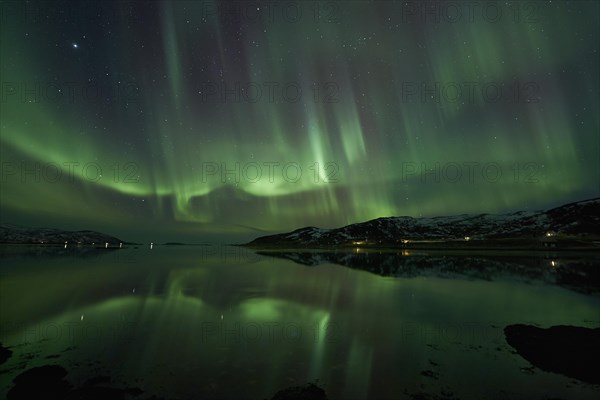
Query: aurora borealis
{"x": 203, "y": 121}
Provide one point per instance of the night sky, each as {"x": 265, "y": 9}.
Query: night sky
{"x": 200, "y": 121}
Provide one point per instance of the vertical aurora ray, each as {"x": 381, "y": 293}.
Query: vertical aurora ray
{"x": 361, "y": 108}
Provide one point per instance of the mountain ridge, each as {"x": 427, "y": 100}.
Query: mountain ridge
{"x": 14, "y": 234}
{"x": 577, "y": 219}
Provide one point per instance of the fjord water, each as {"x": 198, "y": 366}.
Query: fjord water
{"x": 224, "y": 322}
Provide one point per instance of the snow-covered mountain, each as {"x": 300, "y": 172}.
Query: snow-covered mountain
{"x": 575, "y": 219}
{"x": 18, "y": 234}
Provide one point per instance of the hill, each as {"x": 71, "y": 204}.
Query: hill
{"x": 575, "y": 224}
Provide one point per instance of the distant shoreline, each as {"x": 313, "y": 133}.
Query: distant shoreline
{"x": 473, "y": 246}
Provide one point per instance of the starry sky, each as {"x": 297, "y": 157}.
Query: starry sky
{"x": 206, "y": 121}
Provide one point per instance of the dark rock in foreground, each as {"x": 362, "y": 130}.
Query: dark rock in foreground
{"x": 45, "y": 382}
{"x": 5, "y": 354}
{"x": 307, "y": 392}
{"x": 568, "y": 350}
{"x": 48, "y": 382}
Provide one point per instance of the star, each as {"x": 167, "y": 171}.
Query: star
{"x": 259, "y": 139}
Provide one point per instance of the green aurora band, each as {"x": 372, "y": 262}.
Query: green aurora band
{"x": 165, "y": 136}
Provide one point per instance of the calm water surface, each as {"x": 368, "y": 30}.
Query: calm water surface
{"x": 223, "y": 322}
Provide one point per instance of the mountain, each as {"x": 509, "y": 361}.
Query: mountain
{"x": 21, "y": 235}
{"x": 568, "y": 223}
